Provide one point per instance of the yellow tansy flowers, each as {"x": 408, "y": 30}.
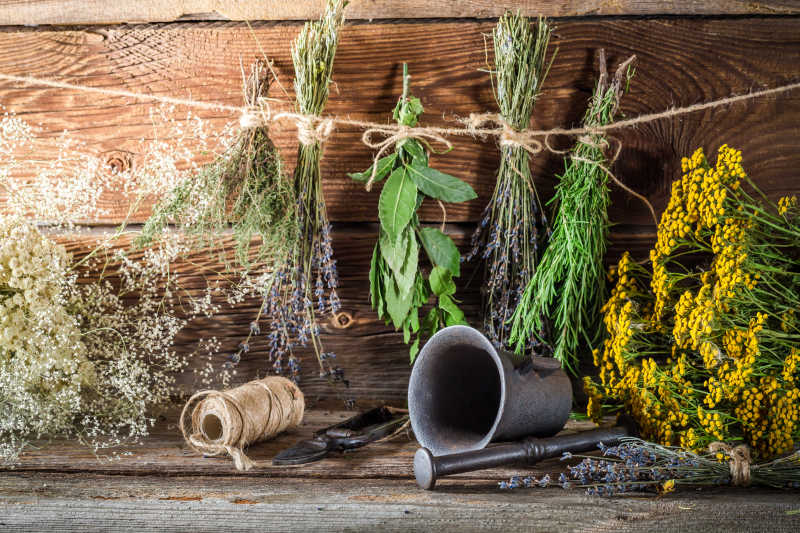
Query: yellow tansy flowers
{"x": 703, "y": 345}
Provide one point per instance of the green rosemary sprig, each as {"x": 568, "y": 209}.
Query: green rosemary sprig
{"x": 568, "y": 286}
{"x": 514, "y": 224}
{"x": 398, "y": 288}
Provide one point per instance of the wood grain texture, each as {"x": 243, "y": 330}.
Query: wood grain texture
{"x": 90, "y": 502}
{"x": 165, "y": 453}
{"x": 681, "y": 62}
{"x": 24, "y": 12}
{"x": 371, "y": 353}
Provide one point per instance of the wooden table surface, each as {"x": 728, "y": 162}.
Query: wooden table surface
{"x": 164, "y": 486}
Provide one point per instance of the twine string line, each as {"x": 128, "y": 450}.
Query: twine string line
{"x": 739, "y": 464}
{"x": 313, "y": 129}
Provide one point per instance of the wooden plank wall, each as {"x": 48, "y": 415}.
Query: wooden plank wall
{"x": 683, "y": 58}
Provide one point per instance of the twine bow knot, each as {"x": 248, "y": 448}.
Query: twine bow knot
{"x": 394, "y": 134}
{"x": 739, "y": 464}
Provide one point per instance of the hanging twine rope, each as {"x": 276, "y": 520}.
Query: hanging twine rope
{"x": 228, "y": 421}
{"x": 315, "y": 129}
{"x": 739, "y": 464}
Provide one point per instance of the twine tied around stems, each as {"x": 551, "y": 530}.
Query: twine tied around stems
{"x": 314, "y": 129}
{"x": 230, "y": 420}
{"x": 394, "y": 134}
{"x": 739, "y": 464}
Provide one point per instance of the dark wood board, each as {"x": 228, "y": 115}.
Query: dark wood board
{"x": 15, "y": 12}
{"x": 681, "y": 62}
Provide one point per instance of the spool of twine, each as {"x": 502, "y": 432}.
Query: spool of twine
{"x": 228, "y": 421}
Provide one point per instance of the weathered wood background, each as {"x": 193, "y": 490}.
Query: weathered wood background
{"x": 681, "y": 61}
{"x": 688, "y": 52}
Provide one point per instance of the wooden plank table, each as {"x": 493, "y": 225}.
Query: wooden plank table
{"x": 164, "y": 486}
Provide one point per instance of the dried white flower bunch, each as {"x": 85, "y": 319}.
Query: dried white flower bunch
{"x": 83, "y": 360}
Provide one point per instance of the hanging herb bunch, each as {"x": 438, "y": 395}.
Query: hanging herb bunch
{"x": 398, "y": 287}
{"x": 568, "y": 286}
{"x": 514, "y": 224}
{"x": 244, "y": 190}
{"x": 305, "y": 290}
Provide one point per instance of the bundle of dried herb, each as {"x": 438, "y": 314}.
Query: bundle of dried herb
{"x": 244, "y": 190}
{"x": 568, "y": 287}
{"x": 398, "y": 287}
{"x": 514, "y": 223}
{"x": 703, "y": 345}
{"x": 310, "y": 276}
{"x": 85, "y": 360}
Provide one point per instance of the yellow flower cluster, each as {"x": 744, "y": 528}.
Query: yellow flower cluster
{"x": 690, "y": 348}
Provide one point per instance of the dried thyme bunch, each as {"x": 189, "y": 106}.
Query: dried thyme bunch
{"x": 244, "y": 190}
{"x": 306, "y": 289}
{"x": 398, "y": 287}
{"x": 568, "y": 287}
{"x": 514, "y": 223}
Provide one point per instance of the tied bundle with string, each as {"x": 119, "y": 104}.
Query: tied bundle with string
{"x": 305, "y": 289}
{"x": 567, "y": 289}
{"x": 514, "y": 224}
{"x": 228, "y": 421}
{"x": 636, "y": 466}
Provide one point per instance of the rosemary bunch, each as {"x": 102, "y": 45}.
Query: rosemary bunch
{"x": 568, "y": 287}
{"x": 306, "y": 289}
{"x": 513, "y": 223}
{"x": 245, "y": 190}
{"x": 398, "y": 287}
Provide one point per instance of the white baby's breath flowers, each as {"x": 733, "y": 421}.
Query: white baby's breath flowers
{"x": 87, "y": 360}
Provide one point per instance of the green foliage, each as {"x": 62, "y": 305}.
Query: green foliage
{"x": 399, "y": 289}
{"x": 568, "y": 286}
{"x": 245, "y": 190}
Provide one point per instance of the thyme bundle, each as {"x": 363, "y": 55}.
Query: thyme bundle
{"x": 705, "y": 346}
{"x": 514, "y": 224}
{"x": 568, "y": 285}
{"x": 245, "y": 190}
{"x": 398, "y": 287}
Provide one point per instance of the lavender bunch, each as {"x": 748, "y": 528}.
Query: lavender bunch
{"x": 513, "y": 226}
{"x": 636, "y": 465}
{"x": 305, "y": 289}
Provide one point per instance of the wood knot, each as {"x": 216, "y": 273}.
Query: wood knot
{"x": 342, "y": 320}
{"x": 118, "y": 161}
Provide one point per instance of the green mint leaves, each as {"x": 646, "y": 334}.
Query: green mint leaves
{"x": 399, "y": 288}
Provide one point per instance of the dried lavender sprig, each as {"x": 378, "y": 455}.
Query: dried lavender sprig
{"x": 307, "y": 287}
{"x": 640, "y": 466}
{"x": 514, "y": 224}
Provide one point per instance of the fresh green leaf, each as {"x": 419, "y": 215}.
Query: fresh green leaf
{"x": 431, "y": 321}
{"x": 398, "y": 303}
{"x": 374, "y": 279}
{"x": 384, "y": 166}
{"x": 438, "y": 184}
{"x": 406, "y": 276}
{"x": 441, "y": 281}
{"x": 396, "y": 204}
{"x": 441, "y": 250}
{"x": 394, "y": 251}
{"x": 414, "y": 350}
{"x": 454, "y": 315}
{"x": 407, "y": 111}
{"x": 414, "y": 150}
